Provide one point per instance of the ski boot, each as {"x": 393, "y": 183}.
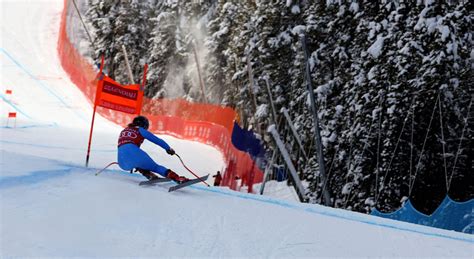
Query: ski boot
{"x": 147, "y": 173}
{"x": 173, "y": 176}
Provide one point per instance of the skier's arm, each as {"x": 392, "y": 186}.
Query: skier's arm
{"x": 148, "y": 135}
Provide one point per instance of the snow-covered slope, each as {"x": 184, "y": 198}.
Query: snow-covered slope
{"x": 50, "y": 205}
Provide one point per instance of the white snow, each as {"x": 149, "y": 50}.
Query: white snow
{"x": 295, "y": 9}
{"x": 374, "y": 28}
{"x": 372, "y": 73}
{"x": 323, "y": 90}
{"x": 376, "y": 48}
{"x": 298, "y": 30}
{"x": 339, "y": 109}
{"x": 432, "y": 23}
{"x": 354, "y": 7}
{"x": 391, "y": 109}
{"x": 444, "y": 30}
{"x": 346, "y": 189}
{"x": 222, "y": 31}
{"x": 428, "y": 2}
{"x": 278, "y": 190}
{"x": 262, "y": 111}
{"x": 283, "y": 38}
{"x": 270, "y": 128}
{"x": 53, "y": 206}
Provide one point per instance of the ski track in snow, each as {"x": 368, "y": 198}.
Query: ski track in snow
{"x": 52, "y": 206}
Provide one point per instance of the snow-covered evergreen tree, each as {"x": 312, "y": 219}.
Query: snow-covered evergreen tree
{"x": 100, "y": 16}
{"x": 229, "y": 32}
{"x": 163, "y": 47}
{"x": 132, "y": 31}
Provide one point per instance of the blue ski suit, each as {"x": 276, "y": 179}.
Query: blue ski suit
{"x": 130, "y": 155}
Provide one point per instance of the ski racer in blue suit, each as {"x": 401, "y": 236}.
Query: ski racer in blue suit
{"x": 130, "y": 155}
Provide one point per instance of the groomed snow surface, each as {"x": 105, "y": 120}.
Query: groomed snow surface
{"x": 52, "y": 206}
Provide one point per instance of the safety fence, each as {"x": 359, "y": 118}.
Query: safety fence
{"x": 450, "y": 214}
{"x": 205, "y": 123}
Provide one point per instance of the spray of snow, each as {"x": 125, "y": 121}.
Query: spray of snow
{"x": 174, "y": 84}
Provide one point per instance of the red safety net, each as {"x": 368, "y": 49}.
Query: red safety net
{"x": 206, "y": 123}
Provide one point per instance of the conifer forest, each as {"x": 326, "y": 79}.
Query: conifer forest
{"x": 392, "y": 80}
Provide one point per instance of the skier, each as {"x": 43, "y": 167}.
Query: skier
{"x": 130, "y": 155}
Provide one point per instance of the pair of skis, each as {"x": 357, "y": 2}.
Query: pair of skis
{"x": 160, "y": 180}
{"x": 176, "y": 187}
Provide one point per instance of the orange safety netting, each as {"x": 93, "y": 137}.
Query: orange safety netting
{"x": 206, "y": 123}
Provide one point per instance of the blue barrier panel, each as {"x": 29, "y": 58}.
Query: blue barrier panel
{"x": 245, "y": 140}
{"x": 450, "y": 215}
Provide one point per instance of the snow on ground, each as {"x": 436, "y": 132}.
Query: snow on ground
{"x": 52, "y": 206}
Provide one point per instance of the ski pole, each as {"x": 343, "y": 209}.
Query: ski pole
{"x": 101, "y": 170}
{"x": 191, "y": 171}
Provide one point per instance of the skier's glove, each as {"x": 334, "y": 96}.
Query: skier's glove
{"x": 170, "y": 151}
